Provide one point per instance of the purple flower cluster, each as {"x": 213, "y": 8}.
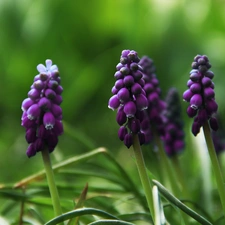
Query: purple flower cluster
{"x": 218, "y": 141}
{"x": 218, "y": 137}
{"x": 42, "y": 113}
{"x": 201, "y": 95}
{"x": 129, "y": 97}
{"x": 174, "y": 134}
{"x": 153, "y": 120}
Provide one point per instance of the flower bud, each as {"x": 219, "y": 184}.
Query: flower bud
{"x": 141, "y": 102}
{"x": 33, "y": 112}
{"x": 48, "y": 120}
{"x": 114, "y": 102}
{"x": 130, "y": 109}
{"x": 128, "y": 140}
{"x": 123, "y": 95}
{"x": 122, "y": 132}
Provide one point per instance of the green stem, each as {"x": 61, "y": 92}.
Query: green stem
{"x": 51, "y": 182}
{"x": 168, "y": 171}
{"x": 215, "y": 164}
{"x": 179, "y": 175}
{"x": 130, "y": 186}
{"x": 143, "y": 174}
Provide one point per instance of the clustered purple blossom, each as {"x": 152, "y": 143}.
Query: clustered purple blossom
{"x": 154, "y": 119}
{"x": 42, "y": 113}
{"x": 218, "y": 141}
{"x": 173, "y": 124}
{"x": 129, "y": 97}
{"x": 201, "y": 95}
{"x": 218, "y": 137}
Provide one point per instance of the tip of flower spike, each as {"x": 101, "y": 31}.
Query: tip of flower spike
{"x": 48, "y": 63}
{"x": 48, "y": 68}
{"x": 41, "y": 68}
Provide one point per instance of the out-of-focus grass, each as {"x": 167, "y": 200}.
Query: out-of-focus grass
{"x": 85, "y": 41}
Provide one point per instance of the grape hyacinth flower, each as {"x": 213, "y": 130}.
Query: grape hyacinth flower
{"x": 129, "y": 97}
{"x": 218, "y": 137}
{"x": 203, "y": 107}
{"x": 200, "y": 94}
{"x": 218, "y": 141}
{"x": 42, "y": 113}
{"x": 174, "y": 134}
{"x": 153, "y": 124}
{"x": 154, "y": 119}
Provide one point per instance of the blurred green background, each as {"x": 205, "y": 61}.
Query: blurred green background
{"x": 85, "y": 40}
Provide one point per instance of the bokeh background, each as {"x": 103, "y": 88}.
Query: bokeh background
{"x": 85, "y": 40}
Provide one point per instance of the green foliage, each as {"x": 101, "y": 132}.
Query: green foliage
{"x": 85, "y": 39}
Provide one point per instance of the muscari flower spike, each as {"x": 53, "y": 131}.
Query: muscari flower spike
{"x": 174, "y": 134}
{"x": 42, "y": 114}
{"x": 154, "y": 119}
{"x": 200, "y": 94}
{"x": 129, "y": 97}
{"x": 218, "y": 136}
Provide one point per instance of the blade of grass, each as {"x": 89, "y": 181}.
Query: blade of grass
{"x": 79, "y": 204}
{"x": 76, "y": 159}
{"x": 110, "y": 222}
{"x": 136, "y": 216}
{"x": 215, "y": 164}
{"x": 80, "y": 212}
{"x": 130, "y": 186}
{"x": 180, "y": 205}
{"x": 158, "y": 209}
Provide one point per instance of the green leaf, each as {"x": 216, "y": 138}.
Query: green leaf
{"x": 73, "y": 160}
{"x": 136, "y": 216}
{"x": 159, "y": 213}
{"x": 79, "y": 204}
{"x": 91, "y": 173}
{"x": 180, "y": 205}
{"x": 110, "y": 222}
{"x": 4, "y": 221}
{"x": 80, "y": 212}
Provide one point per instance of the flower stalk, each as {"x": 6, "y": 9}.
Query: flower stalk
{"x": 51, "y": 182}
{"x": 215, "y": 164}
{"x": 203, "y": 107}
{"x": 147, "y": 186}
{"x": 167, "y": 169}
